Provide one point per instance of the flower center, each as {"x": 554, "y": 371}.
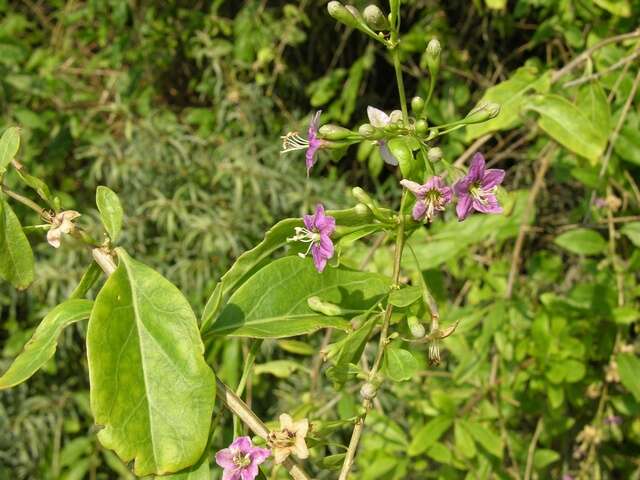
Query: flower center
{"x": 479, "y": 193}
{"x": 304, "y": 235}
{"x": 293, "y": 141}
{"x": 241, "y": 460}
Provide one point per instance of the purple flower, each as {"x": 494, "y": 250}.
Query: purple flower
{"x": 379, "y": 119}
{"x": 477, "y": 191}
{"x": 317, "y": 232}
{"x": 292, "y": 141}
{"x": 240, "y": 461}
{"x": 613, "y": 420}
{"x": 431, "y": 197}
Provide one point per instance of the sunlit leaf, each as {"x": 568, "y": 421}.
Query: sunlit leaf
{"x": 111, "y": 212}
{"x": 582, "y": 241}
{"x": 9, "y": 145}
{"x": 16, "y": 256}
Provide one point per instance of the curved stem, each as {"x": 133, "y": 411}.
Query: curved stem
{"x": 383, "y": 341}
{"x": 27, "y": 202}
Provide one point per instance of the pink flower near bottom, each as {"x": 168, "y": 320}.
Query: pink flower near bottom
{"x": 241, "y": 459}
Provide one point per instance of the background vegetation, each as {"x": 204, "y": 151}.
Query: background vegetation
{"x": 178, "y": 106}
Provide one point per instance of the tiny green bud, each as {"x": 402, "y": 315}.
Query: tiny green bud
{"x": 433, "y": 57}
{"x": 361, "y": 209}
{"x": 326, "y": 308}
{"x": 434, "y": 154}
{"x": 355, "y": 12}
{"x": 342, "y": 14}
{"x": 368, "y": 391}
{"x": 375, "y": 18}
{"x": 482, "y": 113}
{"x": 333, "y": 132}
{"x": 366, "y": 130}
{"x": 434, "y": 48}
{"x": 417, "y": 104}
{"x": 417, "y": 329}
{"x": 362, "y": 196}
{"x": 421, "y": 127}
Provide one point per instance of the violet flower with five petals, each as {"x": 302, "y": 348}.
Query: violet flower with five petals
{"x": 432, "y": 197}
{"x": 477, "y": 191}
{"x": 292, "y": 141}
{"x": 241, "y": 459}
{"x": 317, "y": 232}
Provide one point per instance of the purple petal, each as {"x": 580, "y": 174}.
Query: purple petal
{"x": 386, "y": 154}
{"x": 319, "y": 217}
{"x": 249, "y": 472}
{"x": 463, "y": 208}
{"x": 492, "y": 178}
{"x": 490, "y": 205}
{"x": 419, "y": 209}
{"x": 309, "y": 221}
{"x": 310, "y": 156}
{"x": 447, "y": 194}
{"x": 461, "y": 187}
{"x": 476, "y": 170}
{"x": 319, "y": 259}
{"x": 415, "y": 188}
{"x": 328, "y": 226}
{"x": 314, "y": 124}
{"x": 242, "y": 443}
{"x": 231, "y": 475}
{"x": 434, "y": 183}
{"x": 224, "y": 458}
{"x": 326, "y": 246}
{"x": 259, "y": 455}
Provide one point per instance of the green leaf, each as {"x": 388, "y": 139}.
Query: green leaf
{"x": 490, "y": 441}
{"x": 545, "y": 457}
{"x": 510, "y": 95}
{"x": 403, "y": 297}
{"x": 592, "y": 100}
{"x": 632, "y": 230}
{"x": 399, "y": 364}
{"x": 9, "y": 145}
{"x": 349, "y": 350}
{"x": 628, "y": 368}
{"x": 111, "y": 212}
{"x": 151, "y": 388}
{"x": 620, "y": 8}
{"x": 582, "y": 241}
{"x": 36, "y": 184}
{"x": 199, "y": 471}
{"x": 569, "y": 126}
{"x": 496, "y": 4}
{"x": 16, "y": 256}
{"x": 42, "y": 345}
{"x": 428, "y": 435}
{"x": 464, "y": 441}
{"x": 277, "y": 368}
{"x": 402, "y": 153}
{"x": 626, "y": 144}
{"x": 273, "y": 302}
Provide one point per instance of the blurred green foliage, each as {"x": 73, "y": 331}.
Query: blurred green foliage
{"x": 177, "y": 106}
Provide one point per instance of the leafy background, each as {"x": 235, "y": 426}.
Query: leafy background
{"x": 178, "y": 106}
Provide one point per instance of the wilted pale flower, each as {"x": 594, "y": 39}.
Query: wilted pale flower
{"x": 477, "y": 191}
{"x": 241, "y": 459}
{"x": 379, "y": 119}
{"x": 292, "y": 141}
{"x": 289, "y": 439}
{"x": 318, "y": 231}
{"x": 431, "y": 197}
{"x": 61, "y": 224}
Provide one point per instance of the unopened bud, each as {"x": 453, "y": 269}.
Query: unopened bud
{"x": 417, "y": 104}
{"x": 421, "y": 127}
{"x": 434, "y": 154}
{"x": 375, "y": 18}
{"x": 482, "y": 113}
{"x": 362, "y": 196}
{"x": 432, "y": 57}
{"x": 361, "y": 209}
{"x": 342, "y": 14}
{"x": 326, "y": 308}
{"x": 417, "y": 329}
{"x": 334, "y": 132}
{"x": 366, "y": 130}
{"x": 368, "y": 391}
{"x": 355, "y": 12}
{"x": 434, "y": 48}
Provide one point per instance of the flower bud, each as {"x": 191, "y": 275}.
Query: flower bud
{"x": 361, "y": 209}
{"x": 362, "y": 196}
{"x": 395, "y": 116}
{"x": 417, "y": 329}
{"x": 342, "y": 14}
{"x": 375, "y": 18}
{"x": 432, "y": 55}
{"x": 482, "y": 113}
{"x": 434, "y": 154}
{"x": 417, "y": 104}
{"x": 366, "y": 130}
{"x": 368, "y": 391}
{"x": 421, "y": 127}
{"x": 326, "y": 308}
{"x": 401, "y": 151}
{"x": 434, "y": 48}
{"x": 333, "y": 132}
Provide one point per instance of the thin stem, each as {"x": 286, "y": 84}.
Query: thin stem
{"x": 532, "y": 450}
{"x": 248, "y": 365}
{"x": 383, "y": 341}
{"x": 27, "y": 202}
{"x": 403, "y": 98}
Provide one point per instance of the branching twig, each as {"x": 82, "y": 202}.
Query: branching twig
{"x": 532, "y": 450}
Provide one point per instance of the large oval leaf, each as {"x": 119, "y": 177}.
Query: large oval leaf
{"x": 150, "y": 385}
{"x": 111, "y": 212}
{"x": 273, "y": 302}
{"x": 582, "y": 241}
{"x": 9, "y": 145}
{"x": 16, "y": 256}
{"x": 42, "y": 345}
